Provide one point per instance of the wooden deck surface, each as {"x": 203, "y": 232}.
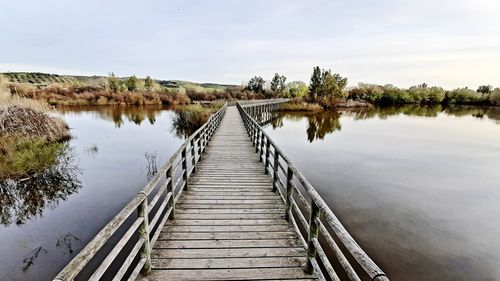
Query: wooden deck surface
{"x": 229, "y": 225}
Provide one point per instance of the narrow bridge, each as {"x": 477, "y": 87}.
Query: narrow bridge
{"x": 228, "y": 205}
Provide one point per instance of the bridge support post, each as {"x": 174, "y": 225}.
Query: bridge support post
{"x": 266, "y": 163}
{"x": 184, "y": 168}
{"x": 313, "y": 235}
{"x": 145, "y": 251}
{"x": 289, "y": 193}
{"x": 257, "y": 140}
{"x": 170, "y": 188}
{"x": 193, "y": 155}
{"x": 262, "y": 140}
{"x": 275, "y": 170}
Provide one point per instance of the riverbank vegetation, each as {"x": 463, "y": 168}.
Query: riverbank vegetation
{"x": 329, "y": 90}
{"x": 30, "y": 139}
{"x": 326, "y": 89}
{"x": 189, "y": 118}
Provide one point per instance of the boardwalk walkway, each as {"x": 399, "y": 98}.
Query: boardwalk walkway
{"x": 229, "y": 225}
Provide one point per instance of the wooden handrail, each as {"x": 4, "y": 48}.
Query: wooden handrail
{"x": 316, "y": 208}
{"x": 148, "y": 230}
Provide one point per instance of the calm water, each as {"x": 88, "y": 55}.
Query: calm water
{"x": 419, "y": 188}
{"x": 46, "y": 222}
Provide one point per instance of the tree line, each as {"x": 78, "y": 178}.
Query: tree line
{"x": 328, "y": 89}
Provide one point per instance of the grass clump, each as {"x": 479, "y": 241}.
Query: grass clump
{"x": 300, "y": 105}
{"x": 22, "y": 157}
{"x": 189, "y": 118}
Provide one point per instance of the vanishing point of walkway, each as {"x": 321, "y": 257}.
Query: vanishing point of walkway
{"x": 229, "y": 224}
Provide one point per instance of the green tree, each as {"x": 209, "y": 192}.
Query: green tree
{"x": 278, "y": 86}
{"x": 315, "y": 83}
{"x": 148, "y": 83}
{"x": 485, "y": 89}
{"x": 256, "y": 84}
{"x": 297, "y": 89}
{"x": 132, "y": 83}
{"x": 113, "y": 83}
{"x": 332, "y": 85}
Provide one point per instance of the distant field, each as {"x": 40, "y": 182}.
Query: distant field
{"x": 38, "y": 79}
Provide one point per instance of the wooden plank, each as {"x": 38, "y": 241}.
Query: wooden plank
{"x": 227, "y": 235}
{"x": 230, "y": 206}
{"x": 231, "y": 211}
{"x": 227, "y": 228}
{"x": 216, "y": 244}
{"x": 228, "y": 274}
{"x": 228, "y": 263}
{"x": 231, "y": 201}
{"x": 178, "y": 222}
{"x": 257, "y": 216}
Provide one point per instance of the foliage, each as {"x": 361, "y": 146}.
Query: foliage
{"x": 148, "y": 83}
{"x": 298, "y": 104}
{"x": 23, "y": 156}
{"x": 256, "y": 84}
{"x": 465, "y": 96}
{"x": 315, "y": 83}
{"x": 495, "y": 97}
{"x": 297, "y": 89}
{"x": 485, "y": 89}
{"x": 326, "y": 88}
{"x": 189, "y": 118}
{"x": 278, "y": 86}
{"x": 131, "y": 83}
{"x": 113, "y": 83}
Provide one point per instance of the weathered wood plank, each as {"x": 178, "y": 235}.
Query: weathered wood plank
{"x": 227, "y": 228}
{"x": 217, "y": 244}
{"x": 220, "y": 263}
{"x": 258, "y": 216}
{"x": 226, "y": 235}
{"x": 178, "y": 222}
{"x": 228, "y": 274}
{"x": 226, "y": 253}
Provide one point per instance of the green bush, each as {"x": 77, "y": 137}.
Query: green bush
{"x": 22, "y": 157}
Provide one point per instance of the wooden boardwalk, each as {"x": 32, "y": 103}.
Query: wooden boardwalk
{"x": 229, "y": 224}
{"x": 211, "y": 213}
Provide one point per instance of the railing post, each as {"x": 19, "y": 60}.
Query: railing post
{"x": 289, "y": 193}
{"x": 144, "y": 233}
{"x": 170, "y": 188}
{"x": 313, "y": 234}
{"x": 262, "y": 139}
{"x": 193, "y": 155}
{"x": 257, "y": 140}
{"x": 268, "y": 152}
{"x": 275, "y": 170}
{"x": 184, "y": 168}
{"x": 200, "y": 144}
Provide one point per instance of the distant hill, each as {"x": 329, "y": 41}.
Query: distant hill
{"x": 38, "y": 79}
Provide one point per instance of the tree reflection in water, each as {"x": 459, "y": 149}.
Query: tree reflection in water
{"x": 322, "y": 123}
{"x": 24, "y": 199}
{"x": 135, "y": 114}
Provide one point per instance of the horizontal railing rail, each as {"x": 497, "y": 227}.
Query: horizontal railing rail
{"x": 303, "y": 203}
{"x": 153, "y": 206}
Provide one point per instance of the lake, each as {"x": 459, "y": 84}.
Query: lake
{"x": 418, "y": 187}
{"x": 45, "y": 223}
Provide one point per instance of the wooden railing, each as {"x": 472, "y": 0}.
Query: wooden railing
{"x": 153, "y": 206}
{"x": 303, "y": 203}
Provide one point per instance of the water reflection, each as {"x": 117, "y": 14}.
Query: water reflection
{"x": 24, "y": 199}
{"x": 118, "y": 114}
{"x": 323, "y": 123}
{"x": 416, "y": 186}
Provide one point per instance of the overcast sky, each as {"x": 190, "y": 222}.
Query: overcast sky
{"x": 440, "y": 42}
